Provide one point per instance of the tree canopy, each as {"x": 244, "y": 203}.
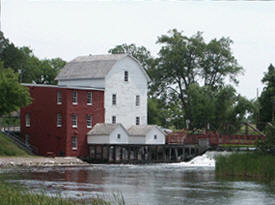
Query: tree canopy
{"x": 267, "y": 99}
{"x": 30, "y": 68}
{"x": 190, "y": 82}
{"x": 13, "y": 95}
{"x": 195, "y": 72}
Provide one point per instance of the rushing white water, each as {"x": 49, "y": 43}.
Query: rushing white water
{"x": 205, "y": 160}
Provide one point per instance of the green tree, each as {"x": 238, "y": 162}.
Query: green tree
{"x": 140, "y": 53}
{"x": 267, "y": 99}
{"x": 183, "y": 61}
{"x": 12, "y": 94}
{"x": 220, "y": 109}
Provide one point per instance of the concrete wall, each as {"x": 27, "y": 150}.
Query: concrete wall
{"x": 150, "y": 137}
{"x": 126, "y": 110}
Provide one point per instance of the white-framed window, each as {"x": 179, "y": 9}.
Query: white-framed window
{"x": 59, "y": 120}
{"x": 74, "y": 142}
{"x": 118, "y": 136}
{"x": 89, "y": 121}
{"x": 89, "y": 98}
{"x": 28, "y": 119}
{"x": 59, "y": 97}
{"x": 126, "y": 76}
{"x": 74, "y": 97}
{"x": 155, "y": 137}
{"x": 137, "y": 100}
{"x": 114, "y": 99}
{"x": 137, "y": 120}
{"x": 114, "y": 119}
{"x": 74, "y": 120}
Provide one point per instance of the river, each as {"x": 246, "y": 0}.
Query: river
{"x": 179, "y": 183}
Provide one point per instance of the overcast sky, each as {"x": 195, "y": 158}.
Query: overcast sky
{"x": 70, "y": 28}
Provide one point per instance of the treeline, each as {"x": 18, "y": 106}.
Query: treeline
{"x": 192, "y": 82}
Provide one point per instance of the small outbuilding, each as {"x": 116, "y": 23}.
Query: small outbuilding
{"x": 146, "y": 134}
{"x": 106, "y": 133}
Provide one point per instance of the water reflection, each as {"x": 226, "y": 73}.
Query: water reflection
{"x": 147, "y": 184}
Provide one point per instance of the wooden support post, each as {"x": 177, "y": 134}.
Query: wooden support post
{"x": 95, "y": 152}
{"x": 89, "y": 151}
{"x": 157, "y": 153}
{"x": 149, "y": 153}
{"x": 129, "y": 154}
{"x": 163, "y": 153}
{"x": 108, "y": 153}
{"x": 101, "y": 154}
{"x": 121, "y": 154}
{"x": 176, "y": 153}
{"x": 114, "y": 154}
{"x": 136, "y": 153}
{"x": 170, "y": 153}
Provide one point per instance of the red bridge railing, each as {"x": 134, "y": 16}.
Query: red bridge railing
{"x": 214, "y": 138}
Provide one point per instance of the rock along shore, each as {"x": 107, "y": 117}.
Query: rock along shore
{"x": 40, "y": 161}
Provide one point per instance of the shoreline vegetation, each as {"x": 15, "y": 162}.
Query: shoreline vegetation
{"x": 12, "y": 194}
{"x": 253, "y": 165}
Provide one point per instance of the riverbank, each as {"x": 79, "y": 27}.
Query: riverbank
{"x": 11, "y": 194}
{"x": 247, "y": 165}
{"x": 34, "y": 161}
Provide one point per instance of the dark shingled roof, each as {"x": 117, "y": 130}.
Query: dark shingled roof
{"x": 92, "y": 66}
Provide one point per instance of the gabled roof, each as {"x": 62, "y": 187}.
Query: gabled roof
{"x": 142, "y": 130}
{"x": 104, "y": 129}
{"x": 92, "y": 66}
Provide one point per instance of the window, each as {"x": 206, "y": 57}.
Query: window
{"x": 137, "y": 120}
{"x": 59, "y": 97}
{"x": 89, "y": 121}
{"x": 59, "y": 120}
{"x": 28, "y": 120}
{"x": 74, "y": 120}
{"x": 114, "y": 119}
{"x": 89, "y": 98}
{"x": 126, "y": 76}
{"x": 155, "y": 137}
{"x": 114, "y": 99}
{"x": 137, "y": 100}
{"x": 74, "y": 97}
{"x": 74, "y": 142}
{"x": 118, "y": 136}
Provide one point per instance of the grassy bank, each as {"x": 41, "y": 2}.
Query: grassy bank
{"x": 247, "y": 165}
{"x": 15, "y": 195}
{"x": 8, "y": 148}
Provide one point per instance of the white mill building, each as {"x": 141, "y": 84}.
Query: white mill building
{"x": 125, "y": 84}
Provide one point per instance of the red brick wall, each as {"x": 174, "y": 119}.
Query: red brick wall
{"x": 96, "y": 110}
{"x": 44, "y": 133}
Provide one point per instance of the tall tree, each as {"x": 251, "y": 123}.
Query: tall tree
{"x": 140, "y": 53}
{"x": 12, "y": 94}
{"x": 184, "y": 61}
{"x": 267, "y": 99}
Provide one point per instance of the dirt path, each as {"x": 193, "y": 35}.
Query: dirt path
{"x": 40, "y": 161}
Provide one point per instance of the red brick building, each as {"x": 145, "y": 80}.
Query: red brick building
{"x": 59, "y": 118}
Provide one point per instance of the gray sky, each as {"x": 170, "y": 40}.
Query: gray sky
{"x": 70, "y": 28}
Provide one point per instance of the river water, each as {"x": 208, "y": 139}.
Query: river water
{"x": 180, "y": 183}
